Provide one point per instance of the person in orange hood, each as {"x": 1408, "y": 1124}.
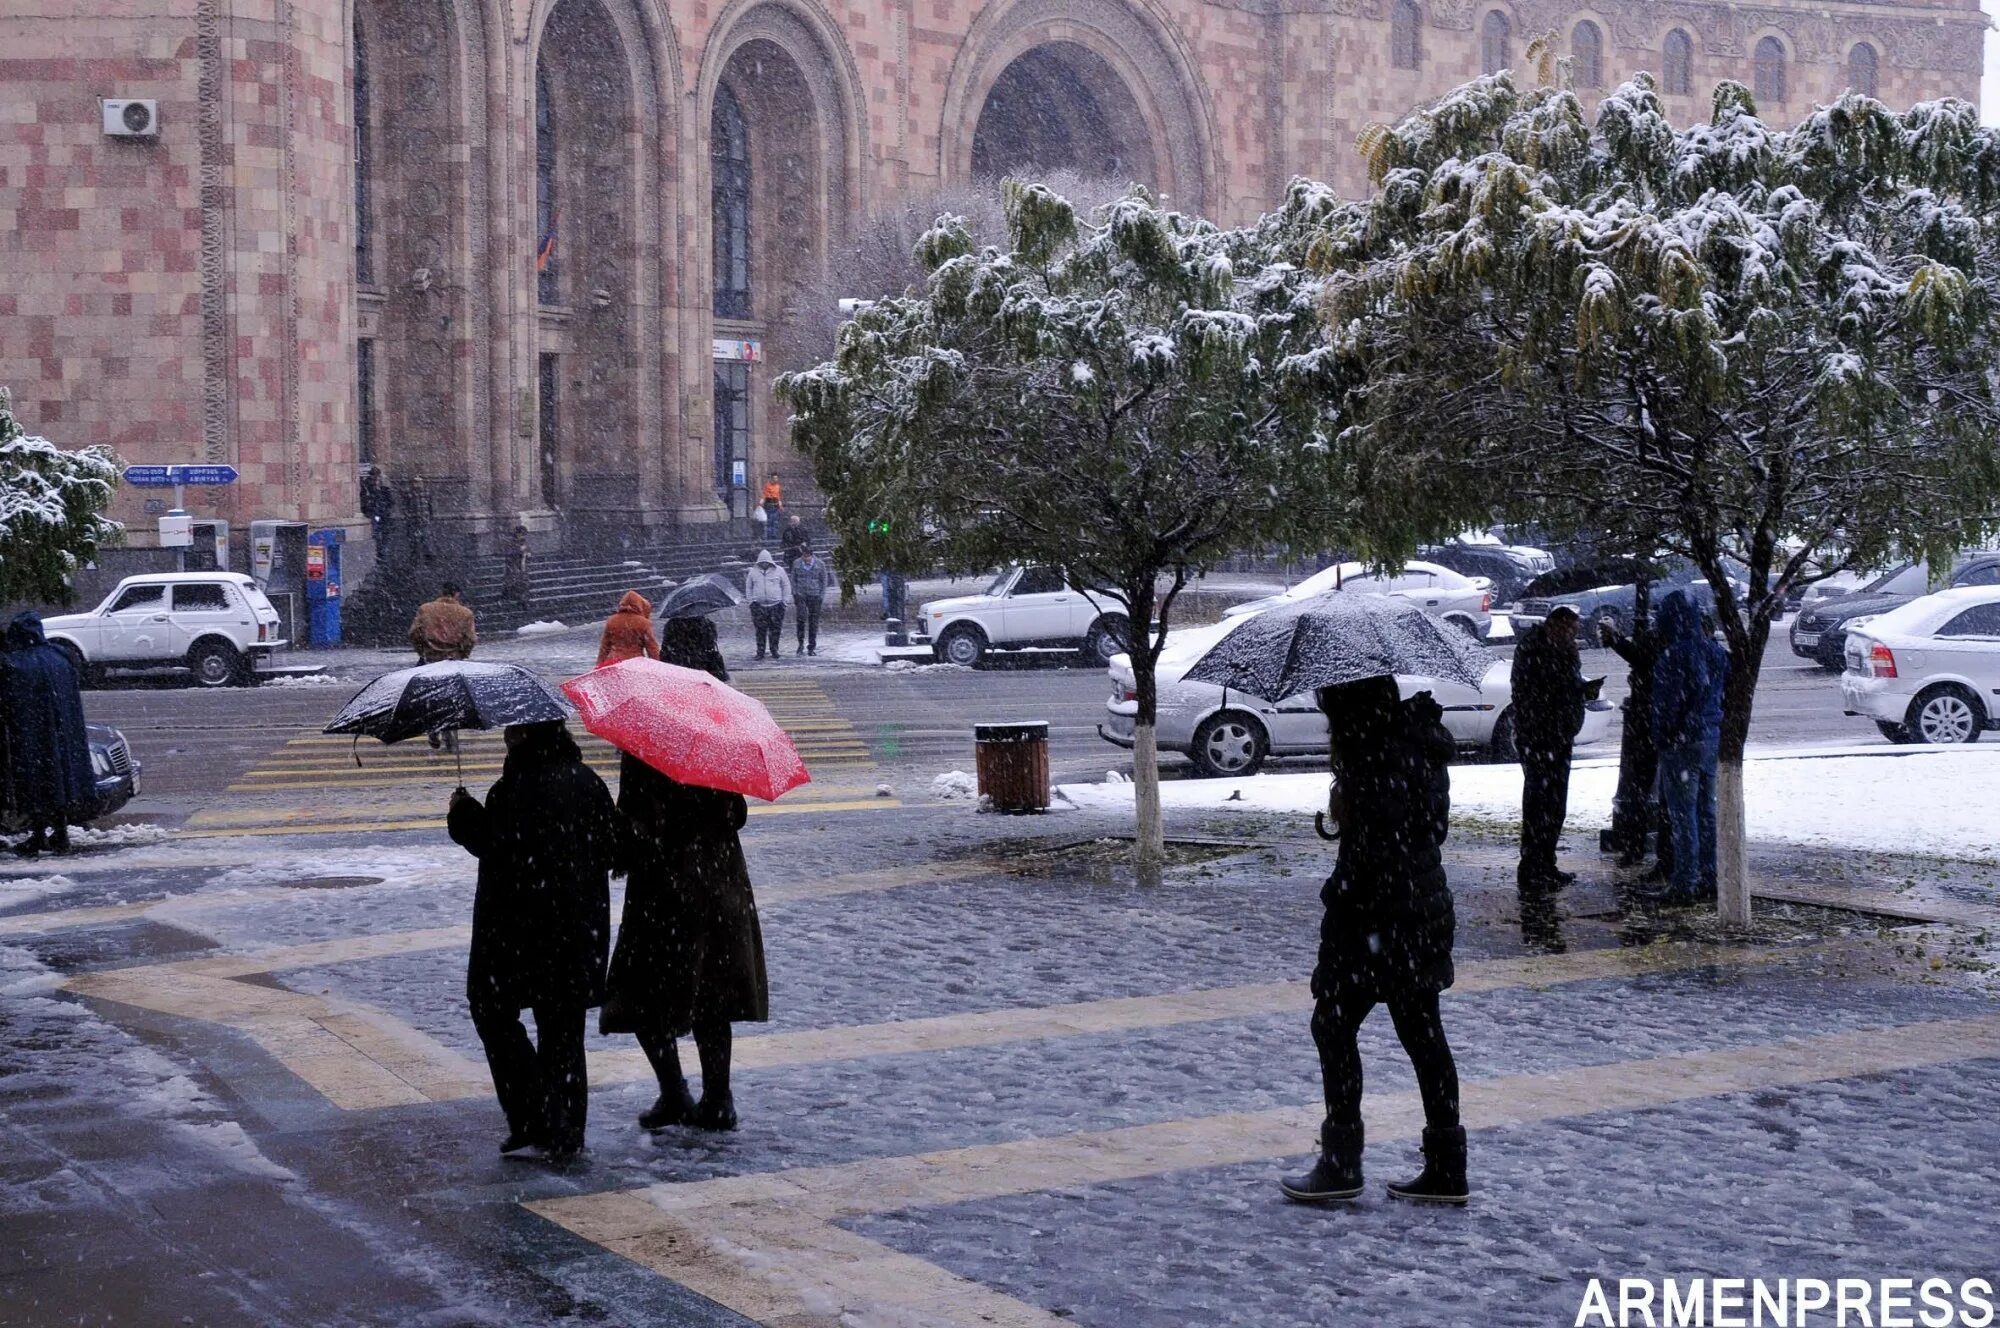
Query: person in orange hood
{"x": 628, "y": 633}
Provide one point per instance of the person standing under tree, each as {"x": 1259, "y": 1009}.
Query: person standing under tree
{"x": 810, "y": 576}
{"x": 46, "y": 780}
{"x": 1387, "y": 934}
{"x": 1688, "y": 679}
{"x": 1549, "y": 699}
{"x": 769, "y": 590}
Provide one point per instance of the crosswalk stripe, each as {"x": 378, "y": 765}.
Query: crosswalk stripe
{"x": 437, "y": 822}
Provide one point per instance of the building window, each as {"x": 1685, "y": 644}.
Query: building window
{"x": 1586, "y": 49}
{"x": 1861, "y": 71}
{"x": 548, "y": 280}
{"x": 1496, "y": 40}
{"x": 364, "y": 401}
{"x": 1403, "y": 52}
{"x": 729, "y": 169}
{"x": 548, "y": 425}
{"x": 1677, "y": 66}
{"x": 364, "y": 167}
{"x": 1767, "y": 71}
{"x": 732, "y": 424}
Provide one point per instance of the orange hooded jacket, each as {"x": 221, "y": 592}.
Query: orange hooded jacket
{"x": 628, "y": 633}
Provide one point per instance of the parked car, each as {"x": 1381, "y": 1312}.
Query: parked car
{"x": 1602, "y": 593}
{"x": 1928, "y": 671}
{"x": 1464, "y": 601}
{"x": 1819, "y": 633}
{"x": 218, "y": 625}
{"x": 1233, "y": 733}
{"x": 1024, "y": 606}
{"x": 114, "y": 775}
{"x": 1507, "y": 567}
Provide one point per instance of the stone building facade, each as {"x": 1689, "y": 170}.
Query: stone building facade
{"x": 532, "y": 249}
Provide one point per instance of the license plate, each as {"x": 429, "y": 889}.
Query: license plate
{"x": 1806, "y": 639}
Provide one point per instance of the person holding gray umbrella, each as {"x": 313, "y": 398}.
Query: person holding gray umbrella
{"x": 1387, "y": 933}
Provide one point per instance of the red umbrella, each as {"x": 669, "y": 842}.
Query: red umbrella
{"x": 688, "y": 726}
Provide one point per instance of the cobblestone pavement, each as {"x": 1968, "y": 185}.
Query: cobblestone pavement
{"x": 1004, "y": 1083}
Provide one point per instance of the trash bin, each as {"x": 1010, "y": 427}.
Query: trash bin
{"x": 1012, "y": 761}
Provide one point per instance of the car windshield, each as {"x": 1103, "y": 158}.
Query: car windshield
{"x": 999, "y": 583}
{"x": 1909, "y": 579}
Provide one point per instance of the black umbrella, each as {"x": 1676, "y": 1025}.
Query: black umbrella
{"x": 701, "y": 596}
{"x": 453, "y": 694}
{"x": 1336, "y": 638}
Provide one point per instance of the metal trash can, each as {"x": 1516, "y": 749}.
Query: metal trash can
{"x": 1012, "y": 761}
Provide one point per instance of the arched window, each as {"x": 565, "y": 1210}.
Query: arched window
{"x": 548, "y": 284}
{"x": 1767, "y": 71}
{"x": 1586, "y": 49}
{"x": 364, "y": 167}
{"x": 1496, "y": 41}
{"x": 1677, "y": 64}
{"x": 729, "y": 171}
{"x": 1861, "y": 70}
{"x": 1403, "y": 51}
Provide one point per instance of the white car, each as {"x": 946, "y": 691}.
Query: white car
{"x": 1234, "y": 733}
{"x": 216, "y": 624}
{"x": 1466, "y": 602}
{"x": 1929, "y": 670}
{"x": 1023, "y": 607}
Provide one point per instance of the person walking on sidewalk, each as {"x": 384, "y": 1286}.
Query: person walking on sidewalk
{"x": 548, "y": 838}
{"x": 46, "y": 780}
{"x": 769, "y": 590}
{"x": 377, "y": 503}
{"x": 628, "y": 632}
{"x": 444, "y": 629}
{"x": 1387, "y": 934}
{"x": 793, "y": 543}
{"x": 773, "y": 505}
{"x": 1688, "y": 680}
{"x": 691, "y": 643}
{"x": 810, "y": 579}
{"x": 1549, "y": 699}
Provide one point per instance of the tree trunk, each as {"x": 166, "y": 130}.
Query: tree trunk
{"x": 1732, "y": 861}
{"x": 1149, "y": 846}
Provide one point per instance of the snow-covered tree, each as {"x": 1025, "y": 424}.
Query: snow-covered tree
{"x": 1770, "y": 351}
{"x": 1131, "y": 397}
{"x": 51, "y": 512}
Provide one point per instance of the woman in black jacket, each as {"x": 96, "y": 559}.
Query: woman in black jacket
{"x": 548, "y": 837}
{"x": 1387, "y": 933}
{"x": 690, "y": 955}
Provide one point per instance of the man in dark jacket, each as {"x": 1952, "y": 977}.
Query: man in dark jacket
{"x": 810, "y": 578}
{"x": 1688, "y": 681}
{"x": 47, "y": 776}
{"x": 547, "y": 838}
{"x": 1549, "y": 699}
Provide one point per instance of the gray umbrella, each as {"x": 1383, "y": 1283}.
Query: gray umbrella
{"x": 1338, "y": 637}
{"x": 700, "y": 596}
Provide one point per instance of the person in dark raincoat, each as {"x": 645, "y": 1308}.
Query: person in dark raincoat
{"x": 547, "y": 837}
{"x": 1387, "y": 933}
{"x": 690, "y": 956}
{"x": 1549, "y": 699}
{"x": 1688, "y": 681}
{"x": 692, "y": 643}
{"x": 47, "y": 777}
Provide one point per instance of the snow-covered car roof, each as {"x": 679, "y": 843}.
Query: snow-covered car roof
{"x": 171, "y": 578}
{"x": 1924, "y": 615}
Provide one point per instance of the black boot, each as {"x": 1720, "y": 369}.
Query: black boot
{"x": 715, "y": 1111}
{"x": 672, "y": 1107}
{"x": 1443, "y": 1178}
{"x": 1337, "y": 1174}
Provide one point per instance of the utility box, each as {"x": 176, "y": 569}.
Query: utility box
{"x": 278, "y": 565}
{"x": 176, "y": 530}
{"x": 209, "y": 549}
{"x": 323, "y": 585}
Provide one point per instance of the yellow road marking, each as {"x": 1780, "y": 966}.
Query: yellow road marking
{"x": 317, "y": 827}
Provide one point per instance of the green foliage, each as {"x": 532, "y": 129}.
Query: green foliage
{"x": 51, "y": 512}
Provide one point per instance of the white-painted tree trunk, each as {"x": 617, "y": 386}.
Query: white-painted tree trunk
{"x": 1732, "y": 861}
{"x": 1150, "y": 846}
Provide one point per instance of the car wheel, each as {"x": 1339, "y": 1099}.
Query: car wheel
{"x": 1896, "y": 733}
{"x": 1228, "y": 744}
{"x": 1108, "y": 636}
{"x": 84, "y": 674}
{"x": 1945, "y": 715}
{"x": 214, "y": 664}
{"x": 1502, "y": 747}
{"x": 962, "y": 645}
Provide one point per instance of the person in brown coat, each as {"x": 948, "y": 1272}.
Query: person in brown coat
{"x": 628, "y": 633}
{"x": 690, "y": 952}
{"x": 443, "y": 629}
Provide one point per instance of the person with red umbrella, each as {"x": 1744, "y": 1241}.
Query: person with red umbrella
{"x": 690, "y": 951}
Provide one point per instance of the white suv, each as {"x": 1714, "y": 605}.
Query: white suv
{"x": 1022, "y": 607}
{"x": 216, "y": 624}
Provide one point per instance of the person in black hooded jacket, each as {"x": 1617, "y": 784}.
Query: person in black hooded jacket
{"x": 1387, "y": 933}
{"x": 547, "y": 837}
{"x": 45, "y": 777}
{"x": 1549, "y": 699}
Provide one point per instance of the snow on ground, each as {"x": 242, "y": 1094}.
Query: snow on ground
{"x": 953, "y": 784}
{"x": 301, "y": 680}
{"x": 541, "y": 628}
{"x": 1934, "y": 801}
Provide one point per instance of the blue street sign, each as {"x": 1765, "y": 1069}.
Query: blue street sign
{"x": 165, "y": 477}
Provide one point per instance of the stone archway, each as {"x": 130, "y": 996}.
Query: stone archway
{"x": 1062, "y": 106}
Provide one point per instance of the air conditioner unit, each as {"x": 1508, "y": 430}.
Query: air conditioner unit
{"x": 128, "y": 118}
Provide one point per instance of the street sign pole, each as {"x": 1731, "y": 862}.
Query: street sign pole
{"x": 180, "y": 505}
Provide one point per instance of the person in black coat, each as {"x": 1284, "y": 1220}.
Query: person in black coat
{"x": 48, "y": 782}
{"x": 1387, "y": 933}
{"x": 548, "y": 837}
{"x": 1549, "y": 699}
{"x": 690, "y": 956}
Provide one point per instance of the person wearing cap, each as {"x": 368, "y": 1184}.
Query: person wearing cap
{"x": 769, "y": 590}
{"x": 1549, "y": 698}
